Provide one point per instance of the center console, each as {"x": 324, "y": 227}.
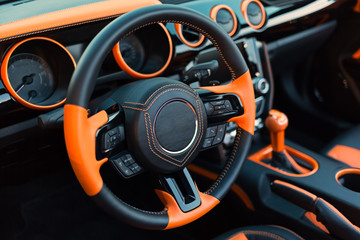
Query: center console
{"x": 310, "y": 193}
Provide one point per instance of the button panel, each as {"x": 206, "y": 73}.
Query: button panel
{"x": 214, "y": 135}
{"x": 126, "y": 165}
{"x": 112, "y": 138}
{"x": 218, "y": 107}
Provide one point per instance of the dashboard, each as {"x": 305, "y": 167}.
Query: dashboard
{"x": 40, "y": 48}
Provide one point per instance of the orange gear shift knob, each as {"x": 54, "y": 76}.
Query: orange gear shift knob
{"x": 276, "y": 123}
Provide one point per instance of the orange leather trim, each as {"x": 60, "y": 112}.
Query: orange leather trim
{"x": 244, "y": 6}
{"x": 6, "y": 81}
{"x": 312, "y": 218}
{"x": 80, "y": 132}
{"x": 235, "y": 188}
{"x": 217, "y": 8}
{"x": 357, "y": 6}
{"x": 356, "y": 54}
{"x": 71, "y": 16}
{"x": 178, "y": 29}
{"x": 314, "y": 197}
{"x": 177, "y": 217}
{"x": 266, "y": 153}
{"x": 243, "y": 88}
{"x": 122, "y": 64}
{"x": 239, "y": 236}
{"x": 345, "y": 154}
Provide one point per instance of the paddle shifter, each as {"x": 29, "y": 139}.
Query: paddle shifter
{"x": 276, "y": 123}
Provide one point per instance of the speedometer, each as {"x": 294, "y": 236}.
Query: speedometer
{"x": 133, "y": 52}
{"x": 31, "y": 77}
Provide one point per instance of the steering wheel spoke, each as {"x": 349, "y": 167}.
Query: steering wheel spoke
{"x": 182, "y": 188}
{"x": 110, "y": 138}
{"x": 220, "y": 108}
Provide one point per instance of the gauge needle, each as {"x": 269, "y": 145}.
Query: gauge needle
{"x": 26, "y": 81}
{"x": 32, "y": 94}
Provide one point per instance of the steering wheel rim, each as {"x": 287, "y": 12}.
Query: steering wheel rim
{"x": 80, "y": 131}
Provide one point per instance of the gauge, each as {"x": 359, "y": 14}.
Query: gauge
{"x": 31, "y": 77}
{"x": 225, "y": 17}
{"x": 146, "y": 53}
{"x": 133, "y": 52}
{"x": 254, "y": 13}
{"x": 36, "y": 72}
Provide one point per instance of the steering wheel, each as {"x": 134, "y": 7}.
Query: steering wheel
{"x": 160, "y": 125}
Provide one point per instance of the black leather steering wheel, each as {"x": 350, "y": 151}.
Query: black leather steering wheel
{"x": 142, "y": 110}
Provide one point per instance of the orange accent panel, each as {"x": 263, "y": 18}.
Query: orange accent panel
{"x": 244, "y": 6}
{"x": 239, "y": 236}
{"x": 80, "y": 132}
{"x": 6, "y": 81}
{"x": 356, "y": 54}
{"x": 345, "y": 154}
{"x": 357, "y": 6}
{"x": 242, "y": 87}
{"x": 235, "y": 188}
{"x": 177, "y": 217}
{"x": 314, "y": 197}
{"x": 266, "y": 153}
{"x": 71, "y": 16}
{"x": 123, "y": 65}
{"x": 312, "y": 218}
{"x": 178, "y": 29}
{"x": 217, "y": 8}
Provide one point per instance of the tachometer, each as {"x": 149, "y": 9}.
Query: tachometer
{"x": 31, "y": 77}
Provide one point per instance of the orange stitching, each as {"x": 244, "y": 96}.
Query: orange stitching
{"x": 159, "y": 90}
{"x": 59, "y": 27}
{"x": 286, "y": 229}
{"x": 147, "y": 134}
{"x": 187, "y": 156}
{"x": 169, "y": 90}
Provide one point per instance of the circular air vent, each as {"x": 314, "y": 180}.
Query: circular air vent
{"x": 189, "y": 36}
{"x": 225, "y": 17}
{"x": 254, "y": 13}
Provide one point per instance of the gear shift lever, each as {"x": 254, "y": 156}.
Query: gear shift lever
{"x": 276, "y": 123}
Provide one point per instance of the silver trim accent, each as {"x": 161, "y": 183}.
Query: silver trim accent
{"x": 196, "y": 127}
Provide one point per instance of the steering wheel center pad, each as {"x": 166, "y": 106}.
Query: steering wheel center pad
{"x": 165, "y": 122}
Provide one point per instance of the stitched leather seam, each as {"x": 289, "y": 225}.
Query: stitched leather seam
{"x": 264, "y": 234}
{"x": 169, "y": 90}
{"x": 192, "y": 148}
{"x": 149, "y": 143}
{"x": 59, "y": 27}
{"x": 164, "y": 211}
{"x": 168, "y": 85}
{"x": 286, "y": 229}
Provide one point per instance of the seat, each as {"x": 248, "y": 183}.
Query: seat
{"x": 346, "y": 148}
{"x": 261, "y": 232}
